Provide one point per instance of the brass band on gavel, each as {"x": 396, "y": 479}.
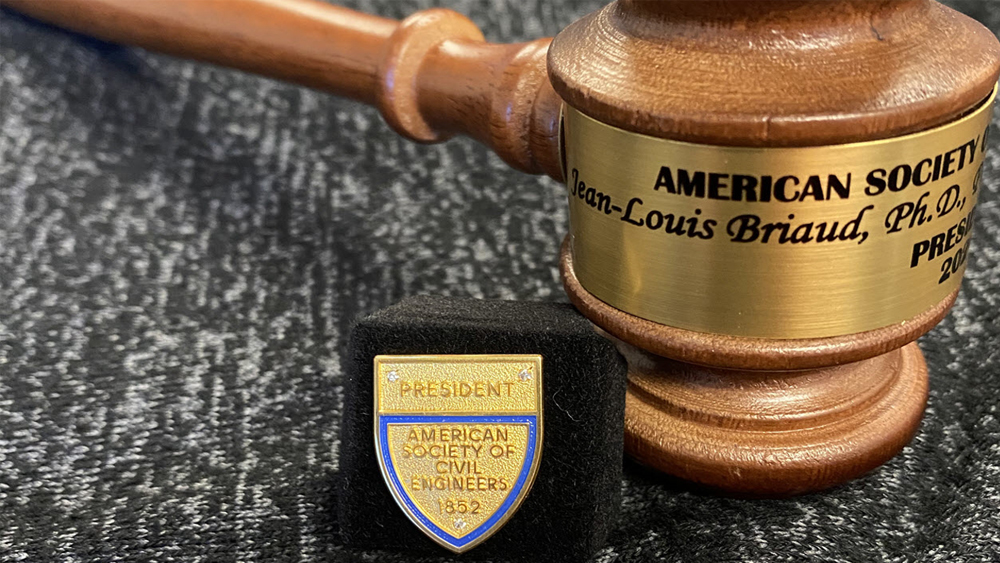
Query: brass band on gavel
{"x": 754, "y": 242}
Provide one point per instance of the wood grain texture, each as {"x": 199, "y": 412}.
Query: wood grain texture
{"x": 432, "y": 76}
{"x": 775, "y": 72}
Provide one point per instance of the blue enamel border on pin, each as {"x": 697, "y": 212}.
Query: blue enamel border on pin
{"x": 386, "y": 420}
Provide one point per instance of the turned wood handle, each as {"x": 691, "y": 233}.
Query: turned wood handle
{"x": 431, "y": 75}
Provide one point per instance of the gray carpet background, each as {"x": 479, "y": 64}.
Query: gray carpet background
{"x": 183, "y": 249}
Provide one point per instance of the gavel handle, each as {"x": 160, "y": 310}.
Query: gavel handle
{"x": 431, "y": 75}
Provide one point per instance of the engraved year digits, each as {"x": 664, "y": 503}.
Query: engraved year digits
{"x": 953, "y": 264}
{"x": 459, "y": 506}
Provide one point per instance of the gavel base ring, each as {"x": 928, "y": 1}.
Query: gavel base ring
{"x": 769, "y": 431}
{"x": 772, "y": 433}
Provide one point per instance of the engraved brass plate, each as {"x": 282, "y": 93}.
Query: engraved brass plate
{"x": 773, "y": 242}
{"x": 459, "y": 439}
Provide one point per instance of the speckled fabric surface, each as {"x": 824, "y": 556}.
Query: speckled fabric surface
{"x": 182, "y": 252}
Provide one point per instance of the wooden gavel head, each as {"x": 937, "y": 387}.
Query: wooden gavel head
{"x": 770, "y": 200}
{"x": 776, "y": 195}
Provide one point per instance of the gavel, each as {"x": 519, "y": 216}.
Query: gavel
{"x": 770, "y": 200}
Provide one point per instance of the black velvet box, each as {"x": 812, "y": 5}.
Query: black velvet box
{"x": 577, "y": 492}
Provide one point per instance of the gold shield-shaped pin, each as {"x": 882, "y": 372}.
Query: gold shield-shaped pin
{"x": 459, "y": 439}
